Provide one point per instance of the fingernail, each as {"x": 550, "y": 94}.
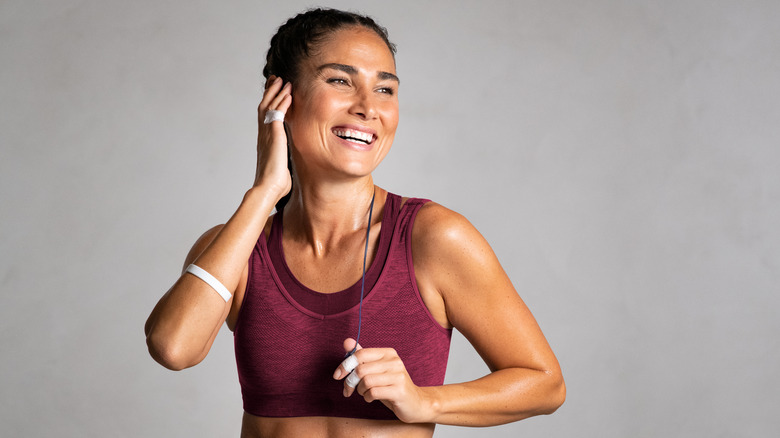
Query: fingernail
{"x": 346, "y": 394}
{"x": 337, "y": 374}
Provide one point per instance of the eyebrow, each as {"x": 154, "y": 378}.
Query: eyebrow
{"x": 350, "y": 70}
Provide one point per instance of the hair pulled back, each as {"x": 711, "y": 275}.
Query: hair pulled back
{"x": 298, "y": 39}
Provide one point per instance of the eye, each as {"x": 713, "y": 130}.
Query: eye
{"x": 337, "y": 81}
{"x": 387, "y": 90}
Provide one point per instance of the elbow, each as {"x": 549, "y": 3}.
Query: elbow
{"x": 170, "y": 354}
{"x": 556, "y": 393}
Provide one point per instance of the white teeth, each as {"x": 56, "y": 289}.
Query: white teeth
{"x": 352, "y": 134}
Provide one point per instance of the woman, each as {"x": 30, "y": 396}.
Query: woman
{"x": 344, "y": 264}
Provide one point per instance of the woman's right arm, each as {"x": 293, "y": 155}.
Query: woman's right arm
{"x": 186, "y": 320}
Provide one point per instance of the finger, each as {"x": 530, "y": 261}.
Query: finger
{"x": 282, "y": 95}
{"x": 372, "y": 380}
{"x": 370, "y": 374}
{"x": 276, "y": 112}
{"x": 372, "y": 386}
{"x": 284, "y": 105}
{"x": 372, "y": 362}
{"x": 349, "y": 345}
{"x": 277, "y": 109}
{"x": 382, "y": 393}
{"x": 350, "y": 363}
{"x": 351, "y": 382}
{"x": 270, "y": 93}
{"x": 269, "y": 81}
{"x": 369, "y": 360}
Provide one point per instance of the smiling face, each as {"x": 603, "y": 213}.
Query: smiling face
{"x": 344, "y": 109}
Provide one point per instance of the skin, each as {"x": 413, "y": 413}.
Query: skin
{"x": 350, "y": 82}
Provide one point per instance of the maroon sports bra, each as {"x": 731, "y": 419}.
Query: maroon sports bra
{"x": 288, "y": 338}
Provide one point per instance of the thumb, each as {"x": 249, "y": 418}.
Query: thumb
{"x": 349, "y": 345}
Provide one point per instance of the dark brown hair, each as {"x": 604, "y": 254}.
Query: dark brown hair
{"x": 298, "y": 38}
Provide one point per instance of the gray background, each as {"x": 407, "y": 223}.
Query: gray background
{"x": 621, "y": 157}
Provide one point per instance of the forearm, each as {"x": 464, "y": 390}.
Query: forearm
{"x": 185, "y": 322}
{"x": 226, "y": 256}
{"x": 501, "y": 397}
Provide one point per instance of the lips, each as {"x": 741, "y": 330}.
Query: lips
{"x": 357, "y": 136}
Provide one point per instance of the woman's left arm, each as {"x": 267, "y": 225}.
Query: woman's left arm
{"x": 464, "y": 286}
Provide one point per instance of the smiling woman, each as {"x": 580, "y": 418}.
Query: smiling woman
{"x": 347, "y": 86}
{"x": 344, "y": 261}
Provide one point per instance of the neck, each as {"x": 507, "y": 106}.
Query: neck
{"x": 323, "y": 214}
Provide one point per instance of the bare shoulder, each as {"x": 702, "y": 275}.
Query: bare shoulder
{"x": 453, "y": 263}
{"x": 445, "y": 235}
{"x": 437, "y": 221}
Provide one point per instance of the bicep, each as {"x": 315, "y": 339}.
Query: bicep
{"x": 238, "y": 294}
{"x": 201, "y": 244}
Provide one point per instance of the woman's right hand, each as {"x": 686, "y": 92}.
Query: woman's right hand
{"x": 183, "y": 325}
{"x": 272, "y": 171}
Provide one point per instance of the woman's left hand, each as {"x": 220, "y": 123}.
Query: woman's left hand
{"x": 383, "y": 377}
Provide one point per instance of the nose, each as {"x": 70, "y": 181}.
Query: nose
{"x": 364, "y": 105}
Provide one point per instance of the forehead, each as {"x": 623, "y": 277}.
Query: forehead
{"x": 356, "y": 46}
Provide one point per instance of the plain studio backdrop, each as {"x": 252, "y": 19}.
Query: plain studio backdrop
{"x": 621, "y": 157}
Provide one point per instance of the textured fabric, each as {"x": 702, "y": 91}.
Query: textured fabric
{"x": 288, "y": 338}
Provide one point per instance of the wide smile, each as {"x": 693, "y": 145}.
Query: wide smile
{"x": 357, "y": 136}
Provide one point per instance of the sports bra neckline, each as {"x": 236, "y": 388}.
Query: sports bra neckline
{"x": 326, "y": 304}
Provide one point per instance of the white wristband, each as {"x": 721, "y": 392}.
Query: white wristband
{"x": 210, "y": 280}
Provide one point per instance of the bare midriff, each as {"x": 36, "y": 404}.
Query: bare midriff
{"x": 330, "y": 427}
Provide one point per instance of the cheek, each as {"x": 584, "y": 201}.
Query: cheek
{"x": 315, "y": 108}
{"x": 308, "y": 116}
{"x": 391, "y": 116}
